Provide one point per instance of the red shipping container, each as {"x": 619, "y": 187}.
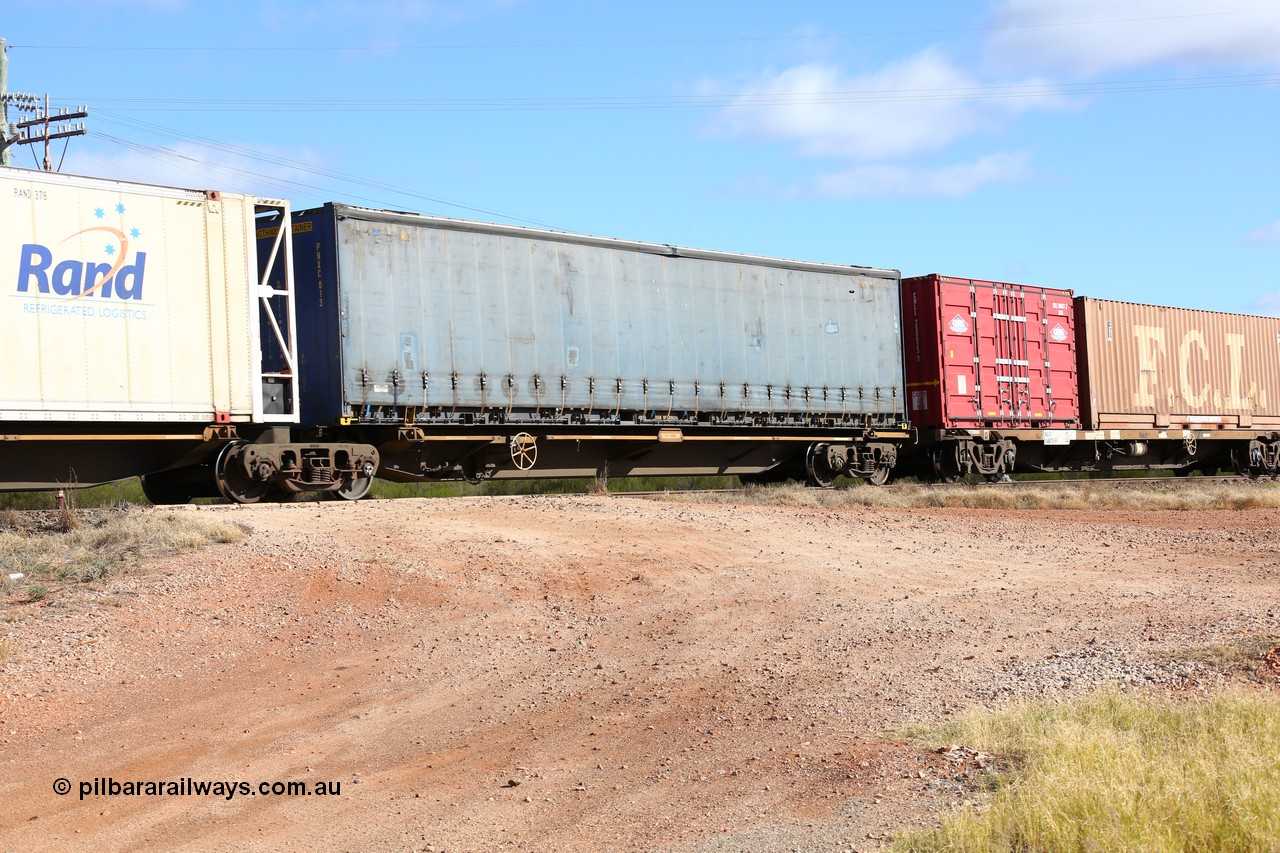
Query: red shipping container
{"x": 988, "y": 355}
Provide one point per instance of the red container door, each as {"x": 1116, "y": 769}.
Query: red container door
{"x": 1062, "y": 391}
{"x": 1011, "y": 359}
{"x": 961, "y": 348}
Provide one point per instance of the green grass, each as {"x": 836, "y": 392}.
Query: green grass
{"x": 1113, "y": 771}
{"x": 129, "y": 492}
{"x": 1152, "y": 493}
{"x": 565, "y": 486}
{"x": 125, "y": 492}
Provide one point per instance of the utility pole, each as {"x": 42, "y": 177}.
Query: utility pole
{"x": 54, "y": 126}
{"x": 4, "y": 103}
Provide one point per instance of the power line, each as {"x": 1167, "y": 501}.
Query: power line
{"x": 224, "y": 48}
{"x": 173, "y": 156}
{"x": 670, "y": 102}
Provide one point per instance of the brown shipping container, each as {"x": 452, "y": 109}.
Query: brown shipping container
{"x": 1147, "y": 366}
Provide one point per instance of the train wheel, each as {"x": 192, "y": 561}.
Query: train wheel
{"x": 353, "y": 490}
{"x": 1244, "y": 466}
{"x": 880, "y": 476}
{"x": 946, "y": 468}
{"x": 233, "y": 483}
{"x": 162, "y": 491}
{"x": 817, "y": 472}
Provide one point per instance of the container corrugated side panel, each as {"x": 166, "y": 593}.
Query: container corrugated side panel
{"x": 527, "y": 322}
{"x": 1150, "y": 366}
{"x": 142, "y": 347}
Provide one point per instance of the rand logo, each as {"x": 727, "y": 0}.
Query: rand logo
{"x": 109, "y": 272}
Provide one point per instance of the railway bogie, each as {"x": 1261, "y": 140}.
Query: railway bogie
{"x": 1260, "y": 457}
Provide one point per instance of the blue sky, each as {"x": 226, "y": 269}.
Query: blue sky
{"x": 1126, "y": 149}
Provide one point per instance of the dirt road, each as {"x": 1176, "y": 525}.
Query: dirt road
{"x": 585, "y": 673}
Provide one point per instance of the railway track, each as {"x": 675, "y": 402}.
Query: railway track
{"x": 1137, "y": 481}
{"x": 1075, "y": 481}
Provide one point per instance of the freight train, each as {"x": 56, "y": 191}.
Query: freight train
{"x": 221, "y": 344}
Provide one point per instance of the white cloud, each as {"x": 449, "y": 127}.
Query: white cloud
{"x": 948, "y": 181}
{"x": 1062, "y": 35}
{"x": 1264, "y": 235}
{"x": 881, "y": 123}
{"x": 918, "y": 104}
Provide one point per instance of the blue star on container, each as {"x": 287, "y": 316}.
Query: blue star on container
{"x": 99, "y": 213}
{"x": 119, "y": 208}
{"x": 134, "y": 233}
{"x": 111, "y": 250}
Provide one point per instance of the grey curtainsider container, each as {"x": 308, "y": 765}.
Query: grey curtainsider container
{"x": 442, "y": 320}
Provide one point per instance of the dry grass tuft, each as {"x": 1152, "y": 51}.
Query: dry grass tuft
{"x": 11, "y": 519}
{"x": 161, "y": 532}
{"x": 1062, "y": 495}
{"x": 91, "y": 550}
{"x": 1249, "y": 656}
{"x": 1113, "y": 771}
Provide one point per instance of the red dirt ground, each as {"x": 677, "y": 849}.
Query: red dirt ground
{"x": 584, "y": 673}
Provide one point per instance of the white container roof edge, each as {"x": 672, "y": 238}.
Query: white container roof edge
{"x": 662, "y": 249}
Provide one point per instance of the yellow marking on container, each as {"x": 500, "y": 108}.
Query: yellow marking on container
{"x": 298, "y": 228}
